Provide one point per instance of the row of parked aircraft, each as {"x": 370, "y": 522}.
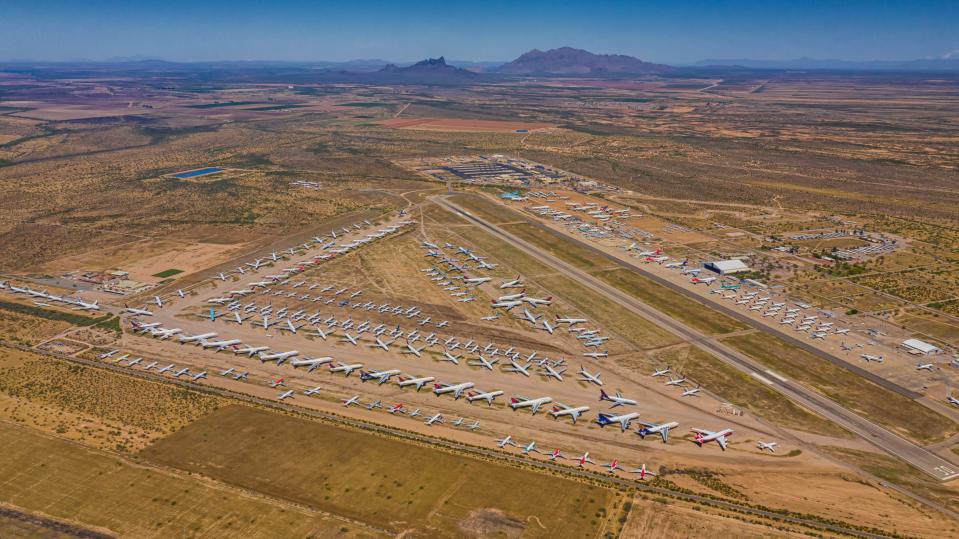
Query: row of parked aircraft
{"x": 582, "y": 460}
{"x": 151, "y": 365}
{"x": 40, "y": 297}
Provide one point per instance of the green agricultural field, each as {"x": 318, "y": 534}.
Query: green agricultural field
{"x": 71, "y": 482}
{"x": 890, "y": 409}
{"x": 383, "y": 482}
{"x": 168, "y": 273}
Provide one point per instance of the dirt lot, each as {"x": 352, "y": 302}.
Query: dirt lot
{"x": 453, "y": 124}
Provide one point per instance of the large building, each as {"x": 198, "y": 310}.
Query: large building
{"x": 727, "y": 267}
{"x": 915, "y": 346}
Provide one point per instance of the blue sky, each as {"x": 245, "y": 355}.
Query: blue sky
{"x": 664, "y": 31}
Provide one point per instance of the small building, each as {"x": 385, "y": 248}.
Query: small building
{"x": 915, "y": 346}
{"x": 727, "y": 267}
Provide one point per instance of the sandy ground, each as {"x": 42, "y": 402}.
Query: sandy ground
{"x": 453, "y": 124}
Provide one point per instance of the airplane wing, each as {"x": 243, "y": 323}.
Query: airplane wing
{"x": 722, "y": 442}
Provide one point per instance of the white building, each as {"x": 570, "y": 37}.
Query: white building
{"x": 727, "y": 267}
{"x": 915, "y": 346}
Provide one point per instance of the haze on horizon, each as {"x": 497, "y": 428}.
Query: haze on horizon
{"x": 57, "y": 30}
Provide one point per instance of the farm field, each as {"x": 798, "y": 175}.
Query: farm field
{"x": 101, "y": 490}
{"x": 358, "y": 476}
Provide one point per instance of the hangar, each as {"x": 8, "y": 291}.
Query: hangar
{"x": 727, "y": 267}
{"x": 915, "y": 346}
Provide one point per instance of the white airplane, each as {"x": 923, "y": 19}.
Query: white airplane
{"x": 488, "y": 396}
{"x": 924, "y": 366}
{"x": 314, "y": 391}
{"x": 706, "y": 281}
{"x": 771, "y": 446}
{"x": 505, "y": 304}
{"x": 550, "y": 372}
{"x": 168, "y": 368}
{"x": 286, "y": 395}
{"x": 220, "y": 345}
{"x": 515, "y": 283}
{"x": 476, "y": 280}
{"x": 374, "y": 404}
{"x": 91, "y": 306}
{"x": 381, "y": 377}
{"x": 279, "y": 357}
{"x": 505, "y": 442}
{"x": 534, "y": 405}
{"x": 410, "y": 349}
{"x": 530, "y": 448}
{"x": 618, "y": 399}
{"x": 437, "y": 418}
{"x": 677, "y": 382}
{"x": 137, "y": 312}
{"x": 869, "y": 357}
{"x": 485, "y": 363}
{"x": 197, "y": 338}
{"x": 623, "y": 419}
{"x": 652, "y": 428}
{"x": 596, "y": 355}
{"x": 561, "y": 410}
{"x": 691, "y": 392}
{"x": 571, "y": 321}
{"x": 346, "y": 368}
{"x": 349, "y": 338}
{"x": 418, "y": 382}
{"x": 538, "y": 301}
{"x": 251, "y": 350}
{"x": 456, "y": 389}
{"x": 451, "y": 358}
{"x": 516, "y": 367}
{"x": 589, "y": 378}
{"x": 952, "y": 400}
{"x": 311, "y": 364}
{"x": 277, "y": 382}
{"x": 704, "y": 436}
{"x": 663, "y": 372}
{"x": 381, "y": 344}
{"x": 642, "y": 471}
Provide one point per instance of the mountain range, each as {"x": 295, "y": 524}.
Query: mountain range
{"x": 570, "y": 61}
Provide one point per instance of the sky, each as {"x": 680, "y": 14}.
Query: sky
{"x": 668, "y": 31}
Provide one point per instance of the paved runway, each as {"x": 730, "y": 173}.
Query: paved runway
{"x": 889, "y": 442}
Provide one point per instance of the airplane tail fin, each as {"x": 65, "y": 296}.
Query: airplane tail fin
{"x": 603, "y": 396}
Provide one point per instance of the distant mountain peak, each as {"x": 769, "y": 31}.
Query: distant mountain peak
{"x": 428, "y": 71}
{"x": 571, "y": 61}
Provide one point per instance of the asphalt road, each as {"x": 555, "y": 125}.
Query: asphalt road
{"x": 885, "y": 440}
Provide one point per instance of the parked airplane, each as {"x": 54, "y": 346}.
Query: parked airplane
{"x": 515, "y": 283}
{"x": 618, "y": 399}
{"x": 197, "y": 338}
{"x": 642, "y": 471}
{"x": 355, "y": 399}
{"x": 418, "y": 382}
{"x": 584, "y": 459}
{"x": 924, "y": 366}
{"x": 488, "y": 396}
{"x": 314, "y": 391}
{"x": 381, "y": 377}
{"x": 277, "y": 382}
{"x": 505, "y": 441}
{"x": 623, "y": 419}
{"x": 596, "y": 355}
{"x": 703, "y": 436}
{"x": 534, "y": 405}
{"x": 677, "y": 382}
{"x": 251, "y": 350}
{"x": 311, "y": 364}
{"x": 346, "y": 368}
{"x": 590, "y": 378}
{"x": 691, "y": 392}
{"x": 561, "y": 410}
{"x": 286, "y": 395}
{"x": 652, "y": 428}
{"x": 613, "y": 466}
{"x": 437, "y": 418}
{"x": 869, "y": 357}
{"x": 771, "y": 446}
{"x": 279, "y": 357}
{"x": 220, "y": 345}
{"x": 530, "y": 448}
{"x": 550, "y": 372}
{"x": 137, "y": 312}
{"x": 663, "y": 372}
{"x": 456, "y": 389}
{"x": 516, "y": 367}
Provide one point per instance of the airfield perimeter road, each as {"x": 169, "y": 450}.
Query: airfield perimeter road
{"x": 466, "y": 448}
{"x": 889, "y": 442}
